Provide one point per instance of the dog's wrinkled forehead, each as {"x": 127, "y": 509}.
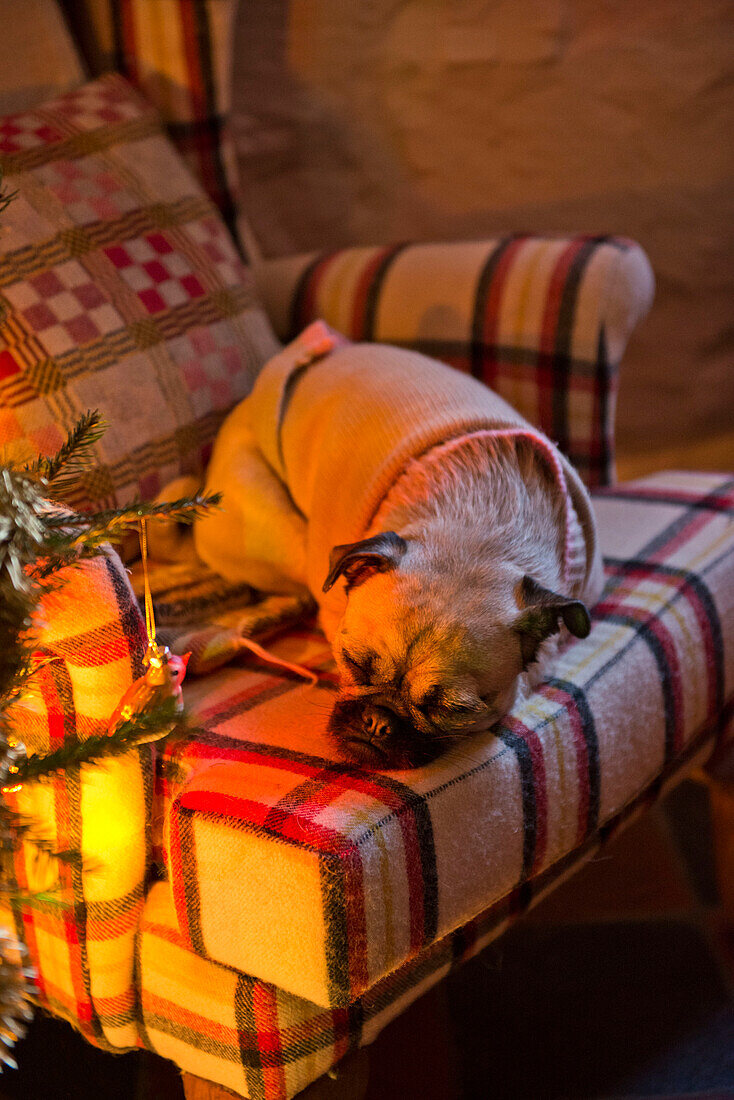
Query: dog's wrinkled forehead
{"x": 400, "y": 644}
{"x": 428, "y": 673}
{"x": 388, "y": 656}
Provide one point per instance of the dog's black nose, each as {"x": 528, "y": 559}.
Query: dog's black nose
{"x": 363, "y": 731}
{"x": 374, "y": 735}
{"x": 377, "y": 726}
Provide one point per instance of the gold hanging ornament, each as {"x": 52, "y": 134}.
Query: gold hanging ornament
{"x": 13, "y": 751}
{"x": 164, "y": 671}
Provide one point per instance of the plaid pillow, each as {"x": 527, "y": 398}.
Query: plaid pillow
{"x": 543, "y": 322}
{"x": 179, "y": 54}
{"x": 80, "y": 922}
{"x": 124, "y": 293}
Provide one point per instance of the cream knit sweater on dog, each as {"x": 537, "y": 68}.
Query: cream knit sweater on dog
{"x": 305, "y": 461}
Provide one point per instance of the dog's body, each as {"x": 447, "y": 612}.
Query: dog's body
{"x": 462, "y": 535}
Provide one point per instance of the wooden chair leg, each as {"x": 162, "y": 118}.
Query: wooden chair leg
{"x": 722, "y": 815}
{"x": 348, "y": 1083}
{"x": 196, "y": 1088}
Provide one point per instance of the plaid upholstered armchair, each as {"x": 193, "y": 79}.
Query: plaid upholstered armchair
{"x": 248, "y": 906}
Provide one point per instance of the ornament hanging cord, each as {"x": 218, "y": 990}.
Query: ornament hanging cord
{"x": 244, "y": 642}
{"x": 148, "y": 598}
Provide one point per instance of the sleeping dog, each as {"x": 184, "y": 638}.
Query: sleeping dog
{"x": 445, "y": 539}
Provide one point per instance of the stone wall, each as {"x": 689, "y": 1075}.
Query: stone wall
{"x": 361, "y": 121}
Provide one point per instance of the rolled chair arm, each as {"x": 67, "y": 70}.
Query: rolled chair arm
{"x": 80, "y": 919}
{"x": 543, "y": 321}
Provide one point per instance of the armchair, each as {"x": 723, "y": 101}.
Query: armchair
{"x": 304, "y": 902}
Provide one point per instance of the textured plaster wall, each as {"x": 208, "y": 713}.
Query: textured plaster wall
{"x": 361, "y": 121}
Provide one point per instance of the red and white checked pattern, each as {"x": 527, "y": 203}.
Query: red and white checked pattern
{"x": 88, "y": 191}
{"x": 161, "y": 277}
{"x": 87, "y": 108}
{"x": 209, "y": 362}
{"x": 211, "y": 237}
{"x": 64, "y": 307}
{"x": 25, "y": 131}
{"x": 73, "y": 337}
{"x": 97, "y": 104}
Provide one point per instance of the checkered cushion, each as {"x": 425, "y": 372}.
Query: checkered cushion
{"x": 80, "y": 925}
{"x": 179, "y": 54}
{"x": 543, "y": 322}
{"x": 323, "y": 878}
{"x": 124, "y": 292}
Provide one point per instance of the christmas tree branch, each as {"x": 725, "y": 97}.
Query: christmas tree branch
{"x": 6, "y": 197}
{"x": 37, "y": 540}
{"x": 184, "y": 510}
{"x": 98, "y": 747}
{"x": 90, "y": 530}
{"x": 45, "y": 572}
{"x": 22, "y": 537}
{"x": 61, "y": 470}
{"x": 26, "y": 831}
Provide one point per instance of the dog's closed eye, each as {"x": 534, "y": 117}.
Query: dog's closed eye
{"x": 361, "y": 666}
{"x": 452, "y": 704}
{"x": 464, "y": 703}
{"x": 433, "y": 699}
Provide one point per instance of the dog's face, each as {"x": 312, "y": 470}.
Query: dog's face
{"x": 430, "y": 653}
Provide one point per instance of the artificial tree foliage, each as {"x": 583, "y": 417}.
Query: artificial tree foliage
{"x": 39, "y": 539}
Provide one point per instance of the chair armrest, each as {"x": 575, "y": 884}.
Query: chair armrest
{"x": 81, "y": 924}
{"x": 543, "y": 321}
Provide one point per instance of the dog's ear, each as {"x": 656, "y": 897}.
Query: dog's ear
{"x": 542, "y": 616}
{"x": 358, "y": 560}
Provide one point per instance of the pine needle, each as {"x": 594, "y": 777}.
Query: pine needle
{"x": 62, "y": 470}
{"x": 6, "y": 197}
{"x": 98, "y": 747}
{"x": 94, "y": 528}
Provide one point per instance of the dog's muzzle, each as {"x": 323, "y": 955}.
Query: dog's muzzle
{"x": 375, "y": 735}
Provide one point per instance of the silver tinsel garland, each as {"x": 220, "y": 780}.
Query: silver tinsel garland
{"x": 17, "y": 978}
{"x": 17, "y": 993}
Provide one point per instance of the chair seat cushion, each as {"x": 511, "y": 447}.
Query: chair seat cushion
{"x": 322, "y": 877}
{"x": 247, "y": 1034}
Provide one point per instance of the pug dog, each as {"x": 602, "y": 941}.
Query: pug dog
{"x": 446, "y": 541}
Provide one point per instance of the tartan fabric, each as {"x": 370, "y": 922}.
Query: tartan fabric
{"x": 198, "y": 613}
{"x": 336, "y": 876}
{"x": 265, "y": 1043}
{"x": 124, "y": 291}
{"x": 178, "y": 53}
{"x": 81, "y": 924}
{"x": 543, "y": 322}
